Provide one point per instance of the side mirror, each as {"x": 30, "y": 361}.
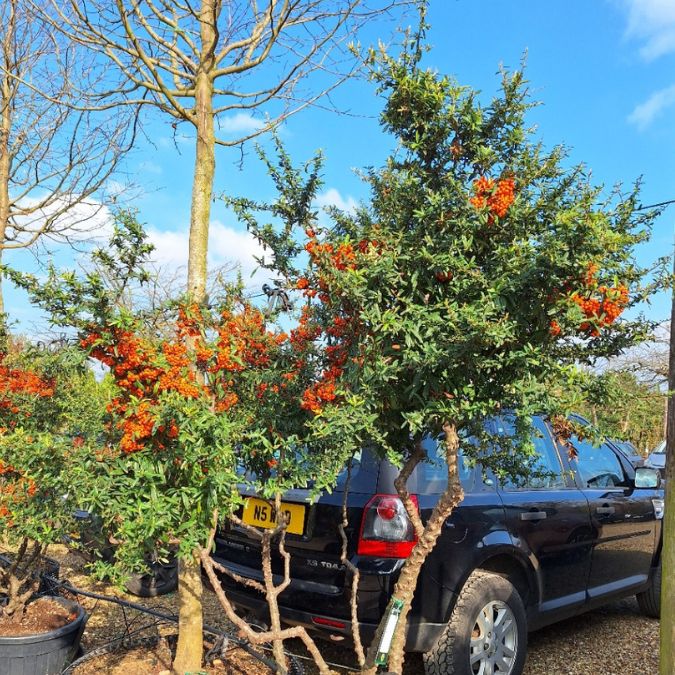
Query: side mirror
{"x": 647, "y": 478}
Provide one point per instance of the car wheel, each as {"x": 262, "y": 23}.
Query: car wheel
{"x": 487, "y": 631}
{"x": 650, "y": 601}
{"x": 162, "y": 579}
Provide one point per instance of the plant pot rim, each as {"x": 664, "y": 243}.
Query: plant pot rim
{"x": 71, "y": 627}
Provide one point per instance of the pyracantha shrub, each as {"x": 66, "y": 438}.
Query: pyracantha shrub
{"x": 481, "y": 268}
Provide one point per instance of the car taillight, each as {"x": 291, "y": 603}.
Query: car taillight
{"x": 386, "y": 530}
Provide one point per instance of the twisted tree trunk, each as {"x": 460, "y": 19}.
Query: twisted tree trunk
{"x": 427, "y": 535}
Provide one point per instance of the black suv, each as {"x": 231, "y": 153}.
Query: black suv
{"x": 513, "y": 557}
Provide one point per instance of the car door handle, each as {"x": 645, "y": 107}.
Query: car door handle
{"x": 533, "y": 515}
{"x": 605, "y": 510}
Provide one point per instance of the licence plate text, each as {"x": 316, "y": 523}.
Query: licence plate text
{"x": 260, "y": 513}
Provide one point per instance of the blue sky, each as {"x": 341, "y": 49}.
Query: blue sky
{"x": 604, "y": 71}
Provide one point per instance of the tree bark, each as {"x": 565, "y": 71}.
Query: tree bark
{"x": 5, "y": 160}
{"x": 190, "y": 638}
{"x": 205, "y": 157}
{"x": 626, "y": 422}
{"x": 189, "y": 651}
{"x": 666, "y": 401}
{"x": 404, "y": 589}
{"x": 667, "y": 662}
{"x": 272, "y": 592}
{"x": 245, "y": 630}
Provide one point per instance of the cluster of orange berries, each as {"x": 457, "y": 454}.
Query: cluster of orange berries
{"x": 137, "y": 428}
{"x": 18, "y": 388}
{"x": 145, "y": 369}
{"x": 601, "y": 305}
{"x": 315, "y": 397}
{"x": 325, "y": 255}
{"x": 189, "y": 330}
{"x": 496, "y": 196}
{"x": 142, "y": 371}
{"x": 341, "y": 334}
{"x": 603, "y": 311}
{"x": 244, "y": 343}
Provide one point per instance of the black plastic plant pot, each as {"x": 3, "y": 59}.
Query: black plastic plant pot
{"x": 44, "y": 653}
{"x": 162, "y": 579}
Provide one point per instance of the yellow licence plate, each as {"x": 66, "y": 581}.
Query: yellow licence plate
{"x": 260, "y": 513}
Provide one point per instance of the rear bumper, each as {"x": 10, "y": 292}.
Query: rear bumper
{"x": 421, "y": 635}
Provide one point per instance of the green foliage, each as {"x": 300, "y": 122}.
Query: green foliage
{"x": 467, "y": 271}
{"x": 82, "y": 302}
{"x": 159, "y": 504}
{"x": 35, "y": 480}
{"x": 77, "y": 406}
{"x": 621, "y": 406}
{"x": 50, "y": 403}
{"x": 194, "y": 417}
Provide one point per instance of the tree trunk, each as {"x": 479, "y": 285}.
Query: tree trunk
{"x": 190, "y": 638}
{"x": 205, "y": 157}
{"x": 666, "y": 400}
{"x": 404, "y": 589}
{"x": 667, "y": 663}
{"x": 272, "y": 597}
{"x": 5, "y": 160}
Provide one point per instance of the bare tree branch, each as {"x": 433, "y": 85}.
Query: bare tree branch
{"x": 199, "y": 62}
{"x": 56, "y": 155}
{"x": 254, "y": 637}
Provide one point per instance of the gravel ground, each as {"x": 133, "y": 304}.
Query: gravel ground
{"x": 614, "y": 640}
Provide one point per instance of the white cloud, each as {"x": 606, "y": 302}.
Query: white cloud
{"x": 226, "y": 245}
{"x": 652, "y": 22}
{"x": 332, "y": 197}
{"x": 645, "y": 113}
{"x": 66, "y": 217}
{"x": 240, "y": 123}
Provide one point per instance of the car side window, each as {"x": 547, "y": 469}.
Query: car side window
{"x": 435, "y": 471}
{"x": 598, "y": 465}
{"x": 544, "y": 469}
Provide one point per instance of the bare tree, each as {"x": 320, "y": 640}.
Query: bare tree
{"x": 649, "y": 362}
{"x": 56, "y": 153}
{"x": 164, "y": 286}
{"x": 200, "y": 63}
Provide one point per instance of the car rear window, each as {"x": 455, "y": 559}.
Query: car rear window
{"x": 364, "y": 473}
{"x": 433, "y": 473}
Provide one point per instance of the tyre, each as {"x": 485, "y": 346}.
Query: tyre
{"x": 162, "y": 579}
{"x": 487, "y": 631}
{"x": 650, "y": 601}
